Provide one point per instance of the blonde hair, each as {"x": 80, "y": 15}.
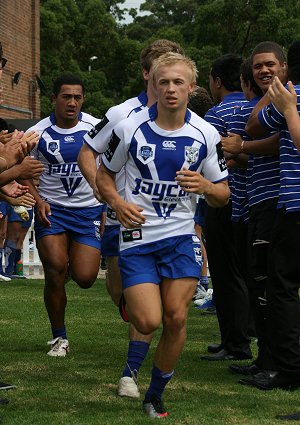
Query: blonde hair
{"x": 170, "y": 58}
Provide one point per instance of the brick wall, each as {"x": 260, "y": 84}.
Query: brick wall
{"x": 20, "y": 38}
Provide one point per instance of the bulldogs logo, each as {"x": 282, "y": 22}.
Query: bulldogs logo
{"x": 53, "y": 147}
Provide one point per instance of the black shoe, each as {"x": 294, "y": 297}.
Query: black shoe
{"x": 226, "y": 355}
{"x": 4, "y": 386}
{"x": 103, "y": 264}
{"x": 209, "y": 311}
{"x": 3, "y": 401}
{"x": 291, "y": 417}
{"x": 214, "y": 348}
{"x": 269, "y": 380}
{"x": 250, "y": 369}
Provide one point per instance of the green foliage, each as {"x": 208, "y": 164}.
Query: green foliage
{"x": 73, "y": 31}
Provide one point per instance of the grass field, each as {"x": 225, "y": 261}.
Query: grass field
{"x": 81, "y": 388}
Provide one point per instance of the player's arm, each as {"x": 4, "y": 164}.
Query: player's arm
{"x": 216, "y": 194}
{"x": 234, "y": 144}
{"x": 87, "y": 163}
{"x": 253, "y": 126}
{"x": 128, "y": 214}
{"x": 286, "y": 103}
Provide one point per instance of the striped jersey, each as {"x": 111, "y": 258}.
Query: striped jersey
{"x": 289, "y": 193}
{"x": 98, "y": 138}
{"x": 151, "y": 156}
{"x": 62, "y": 182}
{"x": 219, "y": 117}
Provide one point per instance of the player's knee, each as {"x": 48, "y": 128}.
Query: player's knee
{"x": 174, "y": 322}
{"x": 84, "y": 283}
{"x": 146, "y": 325}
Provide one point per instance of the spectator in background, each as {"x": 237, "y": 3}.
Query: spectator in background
{"x": 282, "y": 291}
{"x": 13, "y": 149}
{"x": 200, "y": 102}
{"x": 229, "y": 286}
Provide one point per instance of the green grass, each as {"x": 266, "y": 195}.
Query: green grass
{"x": 81, "y": 388}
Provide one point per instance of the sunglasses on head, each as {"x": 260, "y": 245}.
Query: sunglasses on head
{"x": 3, "y": 62}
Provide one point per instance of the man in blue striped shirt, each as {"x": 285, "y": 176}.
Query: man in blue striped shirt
{"x": 284, "y": 267}
{"x": 230, "y": 291}
{"x": 267, "y": 60}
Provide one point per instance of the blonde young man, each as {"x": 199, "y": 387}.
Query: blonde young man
{"x": 163, "y": 149}
{"x": 96, "y": 142}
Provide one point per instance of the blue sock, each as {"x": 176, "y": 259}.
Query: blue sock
{"x": 137, "y": 352}
{"x": 158, "y": 383}
{"x": 56, "y": 332}
{"x": 9, "y": 252}
{"x": 16, "y": 259}
{"x": 204, "y": 282}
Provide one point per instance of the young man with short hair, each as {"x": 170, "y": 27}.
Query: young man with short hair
{"x": 283, "y": 321}
{"x": 67, "y": 214}
{"x": 96, "y": 142}
{"x": 164, "y": 149}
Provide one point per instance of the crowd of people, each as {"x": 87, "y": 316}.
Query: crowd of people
{"x": 126, "y": 187}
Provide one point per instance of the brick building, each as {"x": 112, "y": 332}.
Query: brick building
{"x": 20, "y": 38}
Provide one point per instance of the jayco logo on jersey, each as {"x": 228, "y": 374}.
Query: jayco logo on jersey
{"x": 53, "y": 146}
{"x": 169, "y": 145}
{"x": 69, "y": 139}
{"x": 146, "y": 153}
{"x": 170, "y": 192}
{"x": 191, "y": 154}
{"x": 65, "y": 170}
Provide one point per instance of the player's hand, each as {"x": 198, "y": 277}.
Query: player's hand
{"x": 42, "y": 212}
{"x": 192, "y": 182}
{"x": 26, "y": 200}
{"x": 30, "y": 168}
{"x": 14, "y": 189}
{"x": 232, "y": 144}
{"x": 129, "y": 215}
{"x": 282, "y": 98}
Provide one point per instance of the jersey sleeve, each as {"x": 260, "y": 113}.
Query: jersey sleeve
{"x": 214, "y": 168}
{"x": 99, "y": 136}
{"x": 116, "y": 155}
{"x": 270, "y": 118}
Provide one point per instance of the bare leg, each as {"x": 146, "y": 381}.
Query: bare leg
{"x": 53, "y": 252}
{"x": 176, "y": 296}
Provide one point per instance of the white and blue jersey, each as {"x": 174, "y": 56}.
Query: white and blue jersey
{"x": 289, "y": 193}
{"x": 98, "y": 138}
{"x": 151, "y": 156}
{"x": 62, "y": 182}
{"x": 219, "y": 116}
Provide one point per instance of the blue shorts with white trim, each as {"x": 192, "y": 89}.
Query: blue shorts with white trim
{"x": 174, "y": 258}
{"x": 82, "y": 224}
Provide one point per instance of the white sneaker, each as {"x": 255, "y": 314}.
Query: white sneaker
{"x": 59, "y": 347}
{"x": 200, "y": 292}
{"x": 5, "y": 278}
{"x": 207, "y": 297}
{"x": 128, "y": 387}
{"x": 22, "y": 212}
